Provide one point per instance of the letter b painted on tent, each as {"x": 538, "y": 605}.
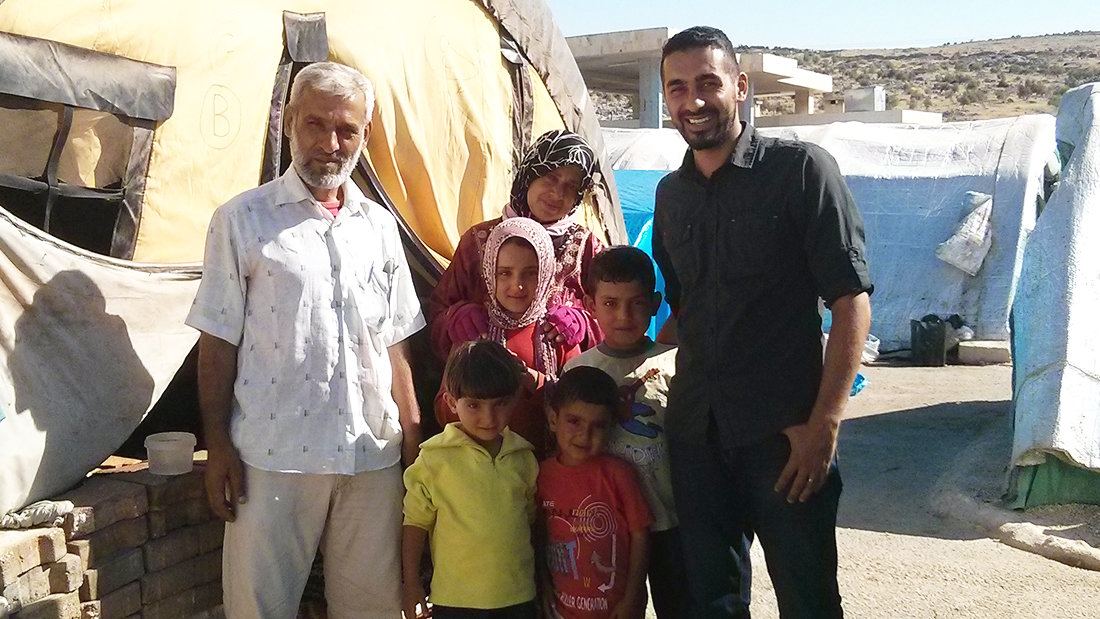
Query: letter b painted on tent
{"x": 220, "y": 119}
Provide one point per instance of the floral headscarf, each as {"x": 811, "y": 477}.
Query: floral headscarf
{"x": 500, "y": 322}
{"x": 551, "y": 151}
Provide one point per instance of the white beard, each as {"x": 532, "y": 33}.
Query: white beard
{"x": 320, "y": 180}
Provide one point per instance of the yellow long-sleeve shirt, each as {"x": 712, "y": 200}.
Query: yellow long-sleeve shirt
{"x": 478, "y": 511}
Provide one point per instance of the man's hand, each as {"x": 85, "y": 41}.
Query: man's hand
{"x": 224, "y": 481}
{"x": 404, "y": 395}
{"x": 224, "y": 471}
{"x": 813, "y": 445}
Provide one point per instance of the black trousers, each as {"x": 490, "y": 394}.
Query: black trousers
{"x": 726, "y": 496}
{"x": 525, "y": 610}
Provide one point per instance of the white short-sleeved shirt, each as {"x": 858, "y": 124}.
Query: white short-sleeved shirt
{"x": 312, "y": 303}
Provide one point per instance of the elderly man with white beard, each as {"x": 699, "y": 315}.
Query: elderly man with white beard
{"x": 306, "y": 394}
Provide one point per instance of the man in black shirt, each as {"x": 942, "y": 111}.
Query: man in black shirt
{"x": 749, "y": 233}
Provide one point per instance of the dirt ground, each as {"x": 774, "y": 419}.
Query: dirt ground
{"x": 911, "y": 437}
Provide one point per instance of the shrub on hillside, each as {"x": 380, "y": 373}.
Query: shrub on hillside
{"x": 1032, "y": 86}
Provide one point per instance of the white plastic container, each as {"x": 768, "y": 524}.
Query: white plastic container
{"x": 170, "y": 453}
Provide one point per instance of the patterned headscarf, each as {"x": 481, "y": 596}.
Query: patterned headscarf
{"x": 500, "y": 322}
{"x": 551, "y": 151}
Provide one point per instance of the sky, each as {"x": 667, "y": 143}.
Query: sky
{"x": 835, "y": 24}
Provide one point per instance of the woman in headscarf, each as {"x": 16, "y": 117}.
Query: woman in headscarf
{"x": 548, "y": 187}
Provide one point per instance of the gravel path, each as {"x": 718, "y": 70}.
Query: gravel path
{"x": 924, "y": 453}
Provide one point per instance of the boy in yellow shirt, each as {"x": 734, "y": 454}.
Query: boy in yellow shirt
{"x": 472, "y": 491}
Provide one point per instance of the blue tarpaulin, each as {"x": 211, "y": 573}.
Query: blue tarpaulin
{"x": 636, "y": 190}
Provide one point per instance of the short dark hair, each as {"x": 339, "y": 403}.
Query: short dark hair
{"x": 589, "y": 385}
{"x": 620, "y": 265}
{"x": 700, "y": 37}
{"x": 482, "y": 369}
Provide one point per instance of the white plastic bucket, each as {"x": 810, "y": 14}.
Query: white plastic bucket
{"x": 170, "y": 453}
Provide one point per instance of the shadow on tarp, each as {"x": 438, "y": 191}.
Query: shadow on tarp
{"x": 75, "y": 371}
{"x": 891, "y": 464}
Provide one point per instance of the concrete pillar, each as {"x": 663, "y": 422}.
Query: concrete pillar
{"x": 803, "y": 102}
{"x": 650, "y": 97}
{"x": 748, "y": 106}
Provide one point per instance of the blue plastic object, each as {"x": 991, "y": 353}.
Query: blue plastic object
{"x": 860, "y": 382}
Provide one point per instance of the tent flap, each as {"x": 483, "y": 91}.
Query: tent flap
{"x": 51, "y": 71}
{"x": 306, "y": 36}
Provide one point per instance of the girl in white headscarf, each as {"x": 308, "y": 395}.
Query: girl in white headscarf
{"x": 518, "y": 267}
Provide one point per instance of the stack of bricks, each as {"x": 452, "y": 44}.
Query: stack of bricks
{"x": 38, "y": 577}
{"x": 136, "y": 546}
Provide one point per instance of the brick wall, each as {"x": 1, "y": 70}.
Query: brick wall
{"x": 136, "y": 546}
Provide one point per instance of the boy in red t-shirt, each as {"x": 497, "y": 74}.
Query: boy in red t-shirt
{"x": 593, "y": 515}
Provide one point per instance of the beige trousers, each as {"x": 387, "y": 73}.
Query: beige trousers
{"x": 354, "y": 519}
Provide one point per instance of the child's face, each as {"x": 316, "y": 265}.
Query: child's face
{"x": 517, "y": 277}
{"x": 483, "y": 419}
{"x": 553, "y": 195}
{"x": 580, "y": 429}
{"x": 623, "y": 310}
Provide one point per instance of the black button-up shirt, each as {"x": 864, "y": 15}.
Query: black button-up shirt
{"x": 745, "y": 255}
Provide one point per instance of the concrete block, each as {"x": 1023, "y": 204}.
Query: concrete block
{"x": 203, "y": 569}
{"x": 218, "y": 612}
{"x": 975, "y": 352}
{"x": 31, "y": 586}
{"x": 178, "y": 515}
{"x": 186, "y": 604}
{"x": 102, "y": 501}
{"x": 65, "y": 575}
{"x": 121, "y": 603}
{"x": 51, "y": 545}
{"x": 164, "y": 491}
{"x": 56, "y": 606}
{"x": 183, "y": 544}
{"x": 211, "y": 536}
{"x": 120, "y": 535}
{"x": 25, "y": 549}
{"x": 118, "y": 604}
{"x": 82, "y": 548}
{"x": 122, "y": 568}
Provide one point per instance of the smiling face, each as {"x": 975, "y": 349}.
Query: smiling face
{"x": 517, "y": 276}
{"x": 702, "y": 90}
{"x": 623, "y": 310}
{"x": 580, "y": 429}
{"x": 327, "y": 134}
{"x": 554, "y": 194}
{"x": 483, "y": 419}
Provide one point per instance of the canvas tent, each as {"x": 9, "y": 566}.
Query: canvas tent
{"x": 1056, "y": 446}
{"x": 127, "y": 123}
{"x": 910, "y": 183}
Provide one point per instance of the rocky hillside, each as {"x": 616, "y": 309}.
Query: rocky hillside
{"x": 964, "y": 81}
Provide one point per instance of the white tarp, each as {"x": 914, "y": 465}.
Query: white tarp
{"x": 87, "y": 346}
{"x": 911, "y": 184}
{"x": 1057, "y": 311}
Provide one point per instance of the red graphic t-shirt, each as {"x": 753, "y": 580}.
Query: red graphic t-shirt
{"x": 589, "y": 511}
